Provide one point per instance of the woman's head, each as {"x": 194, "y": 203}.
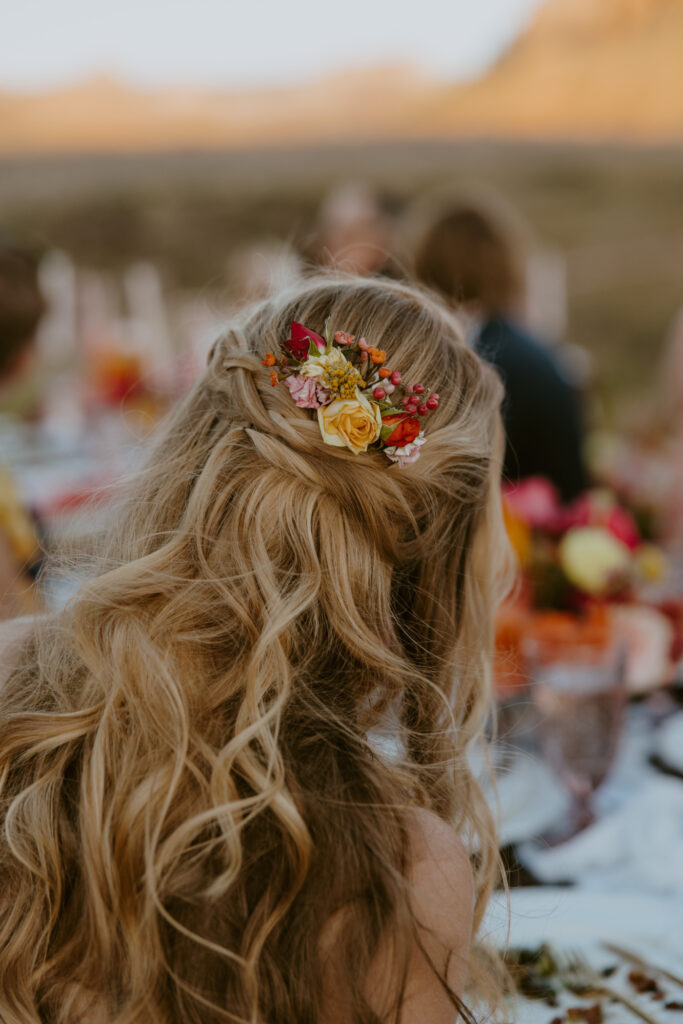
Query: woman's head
{"x": 199, "y": 795}
{"x": 470, "y": 255}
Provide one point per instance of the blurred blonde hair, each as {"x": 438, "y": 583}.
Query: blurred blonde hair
{"x": 188, "y": 792}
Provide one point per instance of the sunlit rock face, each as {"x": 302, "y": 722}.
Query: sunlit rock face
{"x": 581, "y": 69}
{"x": 586, "y": 17}
{"x": 595, "y": 69}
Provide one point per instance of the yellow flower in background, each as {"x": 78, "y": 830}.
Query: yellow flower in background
{"x": 15, "y": 523}
{"x": 650, "y": 562}
{"x": 353, "y": 423}
{"x": 593, "y": 559}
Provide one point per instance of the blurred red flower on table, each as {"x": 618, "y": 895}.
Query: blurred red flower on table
{"x": 578, "y": 564}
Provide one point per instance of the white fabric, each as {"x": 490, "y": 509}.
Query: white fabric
{"x": 638, "y": 847}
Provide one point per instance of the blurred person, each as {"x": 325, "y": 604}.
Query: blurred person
{"x": 468, "y": 255}
{"x": 260, "y": 269}
{"x": 673, "y": 393}
{"x": 199, "y": 824}
{"x": 353, "y": 232}
{"x": 21, "y": 309}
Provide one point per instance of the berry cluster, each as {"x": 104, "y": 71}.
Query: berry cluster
{"x": 417, "y": 401}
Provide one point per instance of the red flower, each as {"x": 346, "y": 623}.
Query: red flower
{"x": 405, "y": 430}
{"x": 595, "y": 509}
{"x": 300, "y": 341}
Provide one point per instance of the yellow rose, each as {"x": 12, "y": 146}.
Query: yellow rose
{"x": 315, "y": 366}
{"x": 594, "y": 559}
{"x": 353, "y": 423}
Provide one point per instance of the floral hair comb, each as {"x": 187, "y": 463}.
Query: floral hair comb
{"x": 354, "y": 392}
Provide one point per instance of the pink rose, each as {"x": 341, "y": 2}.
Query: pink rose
{"x": 307, "y": 392}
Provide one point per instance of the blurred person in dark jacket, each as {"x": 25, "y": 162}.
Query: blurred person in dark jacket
{"x": 21, "y": 308}
{"x": 470, "y": 257}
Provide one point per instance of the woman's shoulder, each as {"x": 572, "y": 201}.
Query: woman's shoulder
{"x": 442, "y": 892}
{"x": 441, "y": 877}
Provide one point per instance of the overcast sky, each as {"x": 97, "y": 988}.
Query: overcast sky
{"x": 242, "y": 43}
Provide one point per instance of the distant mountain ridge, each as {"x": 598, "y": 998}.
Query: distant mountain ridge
{"x": 584, "y": 69}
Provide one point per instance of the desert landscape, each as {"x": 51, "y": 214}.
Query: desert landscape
{"x": 592, "y": 159}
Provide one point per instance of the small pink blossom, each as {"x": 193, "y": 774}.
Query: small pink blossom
{"x": 307, "y": 392}
{"x": 406, "y": 454}
{"x": 342, "y": 338}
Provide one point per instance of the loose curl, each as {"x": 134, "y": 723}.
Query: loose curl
{"x": 188, "y": 794}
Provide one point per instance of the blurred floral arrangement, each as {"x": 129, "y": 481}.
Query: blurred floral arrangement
{"x": 583, "y": 567}
{"x": 574, "y": 555}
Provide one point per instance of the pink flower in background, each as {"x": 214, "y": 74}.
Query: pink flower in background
{"x": 620, "y": 523}
{"x": 307, "y": 392}
{"x": 536, "y": 502}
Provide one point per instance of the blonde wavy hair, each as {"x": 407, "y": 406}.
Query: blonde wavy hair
{"x": 188, "y": 793}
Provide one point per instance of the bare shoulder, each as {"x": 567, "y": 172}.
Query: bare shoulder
{"x": 12, "y": 633}
{"x": 441, "y": 873}
{"x": 443, "y": 894}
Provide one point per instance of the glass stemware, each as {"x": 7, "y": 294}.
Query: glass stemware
{"x": 579, "y": 693}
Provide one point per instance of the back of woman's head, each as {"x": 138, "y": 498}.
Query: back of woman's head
{"x": 189, "y": 791}
{"x": 470, "y": 255}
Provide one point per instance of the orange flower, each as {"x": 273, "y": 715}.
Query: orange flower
{"x": 384, "y": 371}
{"x": 273, "y": 378}
{"x": 269, "y": 359}
{"x": 552, "y": 630}
{"x": 377, "y": 355}
{"x": 518, "y": 532}
{"x": 512, "y": 623}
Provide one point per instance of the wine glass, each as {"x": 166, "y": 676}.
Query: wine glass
{"x": 580, "y": 695}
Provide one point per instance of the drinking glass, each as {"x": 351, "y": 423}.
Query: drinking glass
{"x": 579, "y": 692}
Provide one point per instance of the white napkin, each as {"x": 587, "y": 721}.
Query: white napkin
{"x": 639, "y": 846}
